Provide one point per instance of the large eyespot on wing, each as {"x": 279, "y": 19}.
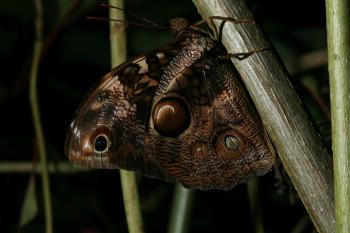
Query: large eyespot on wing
{"x": 171, "y": 117}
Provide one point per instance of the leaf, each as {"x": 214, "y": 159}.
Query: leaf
{"x": 30, "y": 206}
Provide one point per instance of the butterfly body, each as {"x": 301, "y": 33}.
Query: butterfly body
{"x": 179, "y": 113}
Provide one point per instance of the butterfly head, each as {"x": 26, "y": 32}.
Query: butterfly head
{"x": 177, "y": 26}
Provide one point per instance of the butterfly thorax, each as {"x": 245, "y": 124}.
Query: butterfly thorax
{"x": 192, "y": 36}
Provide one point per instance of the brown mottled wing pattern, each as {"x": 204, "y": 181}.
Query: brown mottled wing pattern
{"x": 225, "y": 143}
{"x": 178, "y": 113}
{"x": 118, "y": 108}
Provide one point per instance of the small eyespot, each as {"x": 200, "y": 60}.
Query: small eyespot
{"x": 101, "y": 144}
{"x": 231, "y": 142}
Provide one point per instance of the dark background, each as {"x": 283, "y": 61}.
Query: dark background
{"x": 76, "y": 56}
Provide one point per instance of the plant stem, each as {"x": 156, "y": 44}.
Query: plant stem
{"x": 338, "y": 33}
{"x": 34, "y": 103}
{"x": 181, "y": 210}
{"x": 303, "y": 153}
{"x": 255, "y": 207}
{"x": 131, "y": 202}
{"x": 128, "y": 179}
{"x": 28, "y": 167}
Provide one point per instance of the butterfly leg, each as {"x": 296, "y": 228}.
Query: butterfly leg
{"x": 218, "y": 35}
{"x": 218, "y": 32}
{"x": 243, "y": 55}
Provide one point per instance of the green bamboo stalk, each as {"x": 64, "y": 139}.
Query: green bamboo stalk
{"x": 338, "y": 33}
{"x": 128, "y": 179}
{"x": 255, "y": 207}
{"x": 181, "y": 210}
{"x": 34, "y": 104}
{"x": 117, "y": 34}
{"x": 131, "y": 202}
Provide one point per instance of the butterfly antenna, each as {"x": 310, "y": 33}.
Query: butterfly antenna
{"x": 121, "y": 21}
{"x": 148, "y": 23}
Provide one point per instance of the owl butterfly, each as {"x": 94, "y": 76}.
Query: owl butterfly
{"x": 178, "y": 113}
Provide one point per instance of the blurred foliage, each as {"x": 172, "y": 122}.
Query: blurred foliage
{"x": 76, "y": 55}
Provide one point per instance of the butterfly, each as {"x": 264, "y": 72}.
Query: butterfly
{"x": 179, "y": 113}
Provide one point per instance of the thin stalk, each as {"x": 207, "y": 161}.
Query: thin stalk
{"x": 338, "y": 33}
{"x": 255, "y": 207}
{"x": 117, "y": 34}
{"x": 29, "y": 167}
{"x": 128, "y": 179}
{"x": 131, "y": 202}
{"x": 34, "y": 104}
{"x": 181, "y": 210}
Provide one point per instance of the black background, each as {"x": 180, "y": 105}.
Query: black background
{"x": 91, "y": 202}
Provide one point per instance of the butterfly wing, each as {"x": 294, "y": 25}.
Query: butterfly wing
{"x": 224, "y": 142}
{"x": 110, "y": 126}
{"x": 178, "y": 113}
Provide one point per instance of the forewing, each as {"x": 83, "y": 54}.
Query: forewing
{"x": 110, "y": 126}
